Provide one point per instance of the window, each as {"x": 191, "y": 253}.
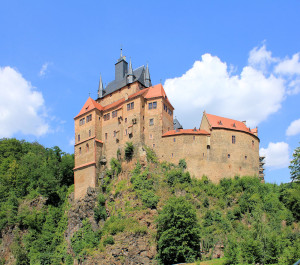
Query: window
{"x": 89, "y": 118}
{"x": 125, "y": 131}
{"x": 78, "y": 137}
{"x": 130, "y": 106}
{"x": 150, "y": 136}
{"x": 106, "y": 117}
{"x": 252, "y": 143}
{"x": 233, "y": 139}
{"x": 194, "y": 137}
{"x": 90, "y": 133}
{"x": 105, "y": 136}
{"x": 82, "y": 121}
{"x": 80, "y": 150}
{"x": 228, "y": 155}
{"x": 125, "y": 120}
{"x": 153, "y": 145}
{"x": 114, "y": 114}
{"x": 174, "y": 140}
{"x": 115, "y": 133}
{"x": 152, "y": 105}
{"x": 87, "y": 147}
{"x": 246, "y": 157}
{"x": 151, "y": 122}
{"x": 165, "y": 107}
{"x": 172, "y": 154}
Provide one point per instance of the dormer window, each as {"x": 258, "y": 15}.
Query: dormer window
{"x": 233, "y": 125}
{"x": 220, "y": 122}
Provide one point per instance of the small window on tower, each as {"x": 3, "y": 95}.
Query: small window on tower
{"x": 252, "y": 143}
{"x": 105, "y": 136}
{"x": 90, "y": 133}
{"x": 154, "y": 105}
{"x": 78, "y": 137}
{"x": 80, "y": 150}
{"x": 87, "y": 147}
{"x": 228, "y": 155}
{"x": 151, "y": 122}
{"x": 174, "y": 140}
{"x": 114, "y": 114}
{"x": 150, "y": 106}
{"x": 150, "y": 136}
{"x": 125, "y": 120}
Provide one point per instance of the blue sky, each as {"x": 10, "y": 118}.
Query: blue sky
{"x": 238, "y": 59}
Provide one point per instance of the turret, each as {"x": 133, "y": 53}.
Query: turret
{"x": 147, "y": 77}
{"x": 100, "y": 88}
{"x": 130, "y": 75}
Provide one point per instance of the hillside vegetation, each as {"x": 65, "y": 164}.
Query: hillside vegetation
{"x": 144, "y": 212}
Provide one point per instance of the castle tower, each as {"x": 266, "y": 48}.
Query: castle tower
{"x": 100, "y": 88}
{"x": 130, "y": 76}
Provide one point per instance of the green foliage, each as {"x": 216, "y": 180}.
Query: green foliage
{"x": 115, "y": 225}
{"x": 109, "y": 240}
{"x": 129, "y": 149}
{"x": 115, "y": 166}
{"x": 182, "y": 164}
{"x": 149, "y": 199}
{"x": 100, "y": 210}
{"x": 177, "y": 175}
{"x": 142, "y": 181}
{"x": 151, "y": 156}
{"x": 295, "y": 165}
{"x": 177, "y": 232}
{"x": 85, "y": 238}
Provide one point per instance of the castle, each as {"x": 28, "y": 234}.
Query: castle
{"x": 130, "y": 109}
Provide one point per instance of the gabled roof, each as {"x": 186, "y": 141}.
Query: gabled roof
{"x": 88, "y": 106}
{"x": 186, "y": 132}
{"x": 221, "y": 122}
{"x": 156, "y": 92}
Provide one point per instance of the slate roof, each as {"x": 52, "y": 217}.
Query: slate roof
{"x": 177, "y": 124}
{"x": 113, "y": 86}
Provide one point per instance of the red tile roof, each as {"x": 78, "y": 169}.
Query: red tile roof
{"x": 221, "y": 122}
{"x": 89, "y": 105}
{"x": 156, "y": 92}
{"x": 186, "y": 132}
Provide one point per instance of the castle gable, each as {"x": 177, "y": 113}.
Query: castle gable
{"x": 89, "y": 105}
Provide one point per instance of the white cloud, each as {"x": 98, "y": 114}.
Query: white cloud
{"x": 252, "y": 95}
{"x": 260, "y": 58}
{"x": 289, "y": 66}
{"x": 21, "y": 107}
{"x": 277, "y": 155}
{"x": 294, "y": 128}
{"x": 43, "y": 69}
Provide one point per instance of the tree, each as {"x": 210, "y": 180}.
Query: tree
{"x": 295, "y": 166}
{"x": 178, "y": 232}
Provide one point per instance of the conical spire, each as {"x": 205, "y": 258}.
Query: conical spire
{"x": 100, "y": 89}
{"x": 130, "y": 75}
{"x": 147, "y": 77}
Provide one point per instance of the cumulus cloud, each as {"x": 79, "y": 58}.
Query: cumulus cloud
{"x": 21, "y": 106}
{"x": 43, "y": 69}
{"x": 277, "y": 155}
{"x": 294, "y": 128}
{"x": 253, "y": 94}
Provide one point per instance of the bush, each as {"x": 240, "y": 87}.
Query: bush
{"x": 129, "y": 149}
{"x": 151, "y": 156}
{"x": 100, "y": 210}
{"x": 182, "y": 164}
{"x": 109, "y": 240}
{"x": 149, "y": 199}
{"x": 115, "y": 167}
{"x": 177, "y": 175}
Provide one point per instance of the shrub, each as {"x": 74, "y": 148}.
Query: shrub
{"x": 100, "y": 210}
{"x": 109, "y": 240}
{"x": 149, "y": 199}
{"x": 151, "y": 156}
{"x": 142, "y": 181}
{"x": 115, "y": 167}
{"x": 177, "y": 175}
{"x": 182, "y": 164}
{"x": 129, "y": 149}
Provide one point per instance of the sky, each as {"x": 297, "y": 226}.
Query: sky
{"x": 236, "y": 59}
